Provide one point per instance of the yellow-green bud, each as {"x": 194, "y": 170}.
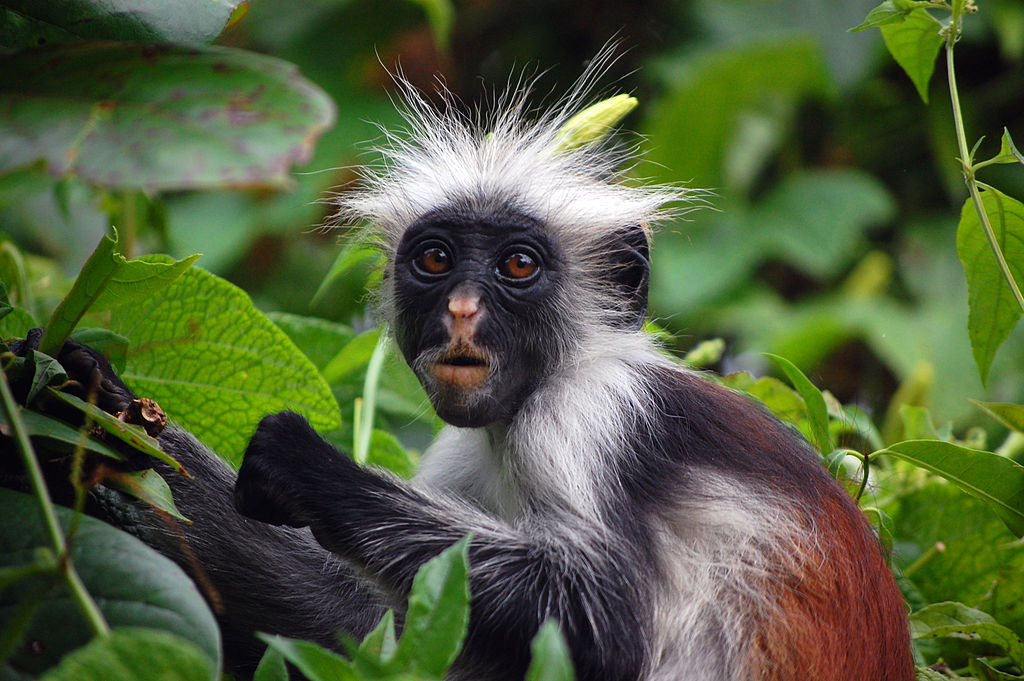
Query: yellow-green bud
{"x": 593, "y": 123}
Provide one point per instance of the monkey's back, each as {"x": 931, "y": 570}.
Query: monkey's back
{"x": 768, "y": 568}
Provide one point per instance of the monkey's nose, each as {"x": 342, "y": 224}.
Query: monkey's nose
{"x": 464, "y": 305}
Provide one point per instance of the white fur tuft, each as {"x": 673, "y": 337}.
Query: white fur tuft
{"x": 503, "y": 159}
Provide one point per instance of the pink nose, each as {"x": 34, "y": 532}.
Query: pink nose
{"x": 464, "y": 306}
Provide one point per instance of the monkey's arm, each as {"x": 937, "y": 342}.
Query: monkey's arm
{"x": 519, "y": 575}
{"x": 255, "y": 576}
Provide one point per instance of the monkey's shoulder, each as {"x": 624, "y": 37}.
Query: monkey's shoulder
{"x": 700, "y": 425}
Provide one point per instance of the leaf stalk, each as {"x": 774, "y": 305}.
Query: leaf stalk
{"x": 952, "y": 34}
{"x": 75, "y": 585}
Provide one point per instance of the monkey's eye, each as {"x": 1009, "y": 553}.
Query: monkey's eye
{"x": 519, "y": 267}
{"x": 434, "y": 260}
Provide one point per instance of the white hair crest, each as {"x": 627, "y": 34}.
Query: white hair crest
{"x": 506, "y": 160}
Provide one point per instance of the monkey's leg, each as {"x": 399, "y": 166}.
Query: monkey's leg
{"x": 592, "y": 583}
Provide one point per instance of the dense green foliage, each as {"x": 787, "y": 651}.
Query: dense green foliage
{"x": 835, "y": 247}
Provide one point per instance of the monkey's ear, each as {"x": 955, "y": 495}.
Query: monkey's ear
{"x": 631, "y": 255}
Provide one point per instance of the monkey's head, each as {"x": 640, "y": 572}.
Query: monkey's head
{"x": 509, "y": 258}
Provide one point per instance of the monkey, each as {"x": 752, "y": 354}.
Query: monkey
{"x": 673, "y": 528}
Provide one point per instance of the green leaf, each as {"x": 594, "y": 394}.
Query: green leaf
{"x": 813, "y": 219}
{"x": 1010, "y": 415}
{"x": 959, "y": 621}
{"x": 438, "y": 614}
{"x": 387, "y": 452}
{"x": 132, "y": 584}
{"x": 735, "y": 80}
{"x": 5, "y": 302}
{"x": 17, "y": 324}
{"x": 136, "y": 282}
{"x": 817, "y": 412}
{"x": 974, "y": 564}
{"x": 134, "y": 435}
{"x": 134, "y": 653}
{"x": 917, "y": 423}
{"x": 354, "y": 356}
{"x": 315, "y": 663}
{"x": 318, "y": 338}
{"x": 129, "y": 20}
{"x": 271, "y": 667}
{"x": 353, "y": 255}
{"x": 994, "y": 479}
{"x": 113, "y": 346}
{"x": 107, "y": 280}
{"x": 551, "y": 660}
{"x": 381, "y": 643}
{"x": 889, "y": 12}
{"x": 216, "y": 365}
{"x": 993, "y": 308}
{"x": 914, "y": 43}
{"x": 705, "y": 354}
{"x": 161, "y": 118}
{"x": 46, "y": 371}
{"x": 981, "y": 669}
{"x": 928, "y": 674}
{"x": 440, "y": 15}
{"x": 1007, "y": 151}
{"x": 93, "y": 276}
{"x": 816, "y": 219}
{"x": 41, "y": 425}
{"x": 147, "y": 486}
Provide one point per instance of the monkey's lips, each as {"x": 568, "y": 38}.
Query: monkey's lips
{"x": 462, "y": 370}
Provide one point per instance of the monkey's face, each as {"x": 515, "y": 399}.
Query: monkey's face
{"x": 475, "y": 306}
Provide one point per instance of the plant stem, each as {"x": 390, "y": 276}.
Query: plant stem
{"x": 78, "y": 591}
{"x": 934, "y": 550}
{"x": 866, "y": 468}
{"x": 369, "y": 405}
{"x": 969, "y": 169}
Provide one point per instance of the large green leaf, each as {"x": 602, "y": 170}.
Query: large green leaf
{"x": 132, "y": 584}
{"x": 217, "y": 365}
{"x": 814, "y": 220}
{"x": 161, "y": 117}
{"x": 183, "y": 21}
{"x": 134, "y": 653}
{"x": 993, "y": 308}
{"x": 708, "y": 94}
{"x": 996, "y": 480}
{"x": 959, "y": 621}
{"x": 977, "y": 563}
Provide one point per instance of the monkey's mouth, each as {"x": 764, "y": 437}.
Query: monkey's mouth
{"x": 462, "y": 368}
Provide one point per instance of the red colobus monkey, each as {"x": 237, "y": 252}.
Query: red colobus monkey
{"x": 673, "y": 528}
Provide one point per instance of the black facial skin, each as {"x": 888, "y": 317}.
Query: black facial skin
{"x": 452, "y": 252}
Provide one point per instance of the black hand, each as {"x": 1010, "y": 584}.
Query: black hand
{"x": 283, "y": 468}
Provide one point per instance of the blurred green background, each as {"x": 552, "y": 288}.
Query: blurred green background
{"x": 831, "y": 239}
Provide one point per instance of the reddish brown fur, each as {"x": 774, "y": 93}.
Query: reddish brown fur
{"x": 844, "y": 619}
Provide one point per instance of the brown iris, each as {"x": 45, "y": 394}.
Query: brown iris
{"x": 519, "y": 266}
{"x": 435, "y": 261}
